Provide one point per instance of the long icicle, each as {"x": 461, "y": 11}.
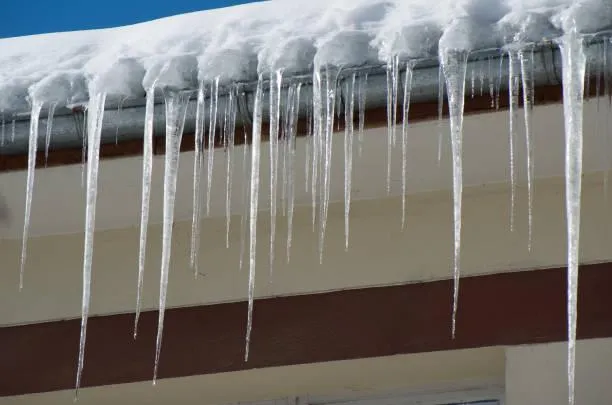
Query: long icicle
{"x": 94, "y": 132}
{"x": 32, "y": 148}
{"x": 253, "y": 207}
{"x": 176, "y": 109}
{"x": 348, "y": 154}
{"x": 198, "y": 162}
{"x": 574, "y": 61}
{"x": 293, "y": 122}
{"x": 212, "y": 129}
{"x": 275, "y": 88}
{"x": 514, "y": 80}
{"x": 454, "y": 64}
{"x": 49, "y": 128}
{"x": 526, "y": 59}
{"x": 147, "y": 170}
{"x": 230, "y": 133}
{"x": 406, "y": 110}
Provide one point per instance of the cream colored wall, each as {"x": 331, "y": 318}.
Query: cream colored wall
{"x": 379, "y": 253}
{"x": 537, "y": 374}
{"x": 460, "y": 369}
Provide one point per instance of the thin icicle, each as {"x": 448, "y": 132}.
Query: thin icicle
{"x": 406, "y": 110}
{"x": 514, "y": 82}
{"x": 229, "y": 131}
{"x": 317, "y": 138}
{"x": 348, "y": 154}
{"x": 392, "y": 75}
{"x": 245, "y": 199}
{"x": 440, "y": 112}
{"x": 147, "y": 169}
{"x": 363, "y": 90}
{"x": 454, "y": 64}
{"x": 253, "y": 206}
{"x": 526, "y": 60}
{"x": 293, "y": 120}
{"x": 51, "y": 113}
{"x": 32, "y": 148}
{"x": 212, "y": 128}
{"x": 275, "y": 88}
{"x": 3, "y": 133}
{"x": 331, "y": 79}
{"x": 574, "y": 61}
{"x": 94, "y": 132}
{"x": 176, "y": 109}
{"x": 198, "y": 162}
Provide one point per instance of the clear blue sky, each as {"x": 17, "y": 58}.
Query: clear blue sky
{"x": 26, "y": 17}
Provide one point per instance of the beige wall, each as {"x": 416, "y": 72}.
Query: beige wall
{"x": 537, "y": 374}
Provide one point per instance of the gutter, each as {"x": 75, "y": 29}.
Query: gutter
{"x": 126, "y": 123}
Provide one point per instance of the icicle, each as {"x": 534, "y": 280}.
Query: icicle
{"x": 491, "y": 83}
{"x": 275, "y": 88}
{"x": 198, "y": 162}
{"x": 147, "y": 169}
{"x": 293, "y": 114}
{"x": 473, "y": 82}
{"x": 94, "y": 132}
{"x": 454, "y": 64}
{"x": 51, "y": 113}
{"x": 363, "y": 89}
{"x": 392, "y": 74}
{"x": 514, "y": 80}
{"x": 253, "y": 203}
{"x": 406, "y": 110}
{"x": 526, "y": 60}
{"x": 212, "y": 128}
{"x": 499, "y": 82}
{"x": 317, "y": 150}
{"x": 32, "y": 148}
{"x": 176, "y": 109}
{"x": 229, "y": 130}
{"x": 574, "y": 61}
{"x": 348, "y": 154}
{"x": 245, "y": 199}
{"x": 3, "y": 136}
{"x": 331, "y": 79}
{"x": 440, "y": 112}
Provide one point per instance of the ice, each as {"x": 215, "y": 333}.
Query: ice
{"x": 454, "y": 63}
{"x": 406, "y": 110}
{"x": 574, "y": 61}
{"x": 514, "y": 80}
{"x": 348, "y": 153}
{"x": 50, "y": 115}
{"x": 94, "y": 131}
{"x": 276, "y": 79}
{"x": 362, "y": 98}
{"x": 526, "y": 61}
{"x": 147, "y": 170}
{"x": 32, "y": 148}
{"x": 197, "y": 177}
{"x": 176, "y": 108}
{"x": 212, "y": 129}
{"x": 253, "y": 206}
{"x": 229, "y": 128}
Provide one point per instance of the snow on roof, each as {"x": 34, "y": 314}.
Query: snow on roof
{"x": 237, "y": 43}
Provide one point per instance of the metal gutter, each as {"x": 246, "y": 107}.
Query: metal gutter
{"x": 127, "y": 123}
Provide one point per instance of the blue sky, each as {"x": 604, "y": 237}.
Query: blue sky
{"x": 21, "y": 17}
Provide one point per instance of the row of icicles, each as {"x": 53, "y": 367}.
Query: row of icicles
{"x": 321, "y": 114}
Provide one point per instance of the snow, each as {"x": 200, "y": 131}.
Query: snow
{"x": 280, "y": 45}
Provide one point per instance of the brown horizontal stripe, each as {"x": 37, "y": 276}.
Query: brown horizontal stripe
{"x": 500, "y": 309}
